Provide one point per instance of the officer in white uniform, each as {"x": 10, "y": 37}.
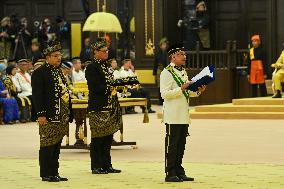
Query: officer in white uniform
{"x": 173, "y": 87}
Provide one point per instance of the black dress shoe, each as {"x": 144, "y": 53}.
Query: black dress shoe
{"x": 173, "y": 179}
{"x": 99, "y": 171}
{"x": 50, "y": 179}
{"x": 112, "y": 170}
{"x": 277, "y": 94}
{"x": 23, "y": 121}
{"x": 151, "y": 111}
{"x": 62, "y": 178}
{"x": 130, "y": 112}
{"x": 185, "y": 178}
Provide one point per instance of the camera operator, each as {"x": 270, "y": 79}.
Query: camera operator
{"x": 203, "y": 20}
{"x": 195, "y": 23}
{"x": 44, "y": 31}
{"x": 49, "y": 29}
{"x": 22, "y": 38}
{"x": 40, "y": 32}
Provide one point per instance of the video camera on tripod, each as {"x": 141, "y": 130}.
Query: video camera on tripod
{"x": 189, "y": 20}
{"x": 20, "y": 28}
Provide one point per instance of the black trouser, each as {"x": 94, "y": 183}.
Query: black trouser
{"x": 48, "y": 160}
{"x": 100, "y": 152}
{"x": 174, "y": 148}
{"x": 141, "y": 93}
{"x": 261, "y": 87}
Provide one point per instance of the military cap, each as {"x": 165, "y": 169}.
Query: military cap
{"x": 66, "y": 64}
{"x": 175, "y": 49}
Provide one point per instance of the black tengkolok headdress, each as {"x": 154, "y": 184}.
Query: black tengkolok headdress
{"x": 51, "y": 47}
{"x": 99, "y": 44}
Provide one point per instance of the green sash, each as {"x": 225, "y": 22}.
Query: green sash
{"x": 178, "y": 80}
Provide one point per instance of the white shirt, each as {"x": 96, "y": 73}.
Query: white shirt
{"x": 125, "y": 73}
{"x": 78, "y": 76}
{"x": 23, "y": 84}
{"x": 175, "y": 106}
{"x": 115, "y": 73}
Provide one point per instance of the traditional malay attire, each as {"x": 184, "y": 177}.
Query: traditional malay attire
{"x": 51, "y": 99}
{"x": 105, "y": 117}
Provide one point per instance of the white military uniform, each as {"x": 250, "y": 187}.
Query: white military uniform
{"x": 23, "y": 84}
{"x": 175, "y": 106}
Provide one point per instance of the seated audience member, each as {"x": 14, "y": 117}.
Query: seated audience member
{"x": 66, "y": 68}
{"x": 11, "y": 70}
{"x": 77, "y": 74}
{"x": 9, "y": 104}
{"x": 278, "y": 76}
{"x": 23, "y": 103}
{"x": 114, "y": 69}
{"x": 22, "y": 80}
{"x": 127, "y": 70}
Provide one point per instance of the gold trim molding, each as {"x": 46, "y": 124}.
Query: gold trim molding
{"x": 149, "y": 42}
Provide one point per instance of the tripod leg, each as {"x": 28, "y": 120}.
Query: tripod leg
{"x": 23, "y": 44}
{"x": 15, "y": 50}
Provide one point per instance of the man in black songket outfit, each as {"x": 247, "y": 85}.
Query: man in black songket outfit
{"x": 105, "y": 116}
{"x": 52, "y": 105}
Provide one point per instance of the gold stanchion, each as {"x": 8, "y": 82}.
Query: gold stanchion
{"x": 146, "y": 116}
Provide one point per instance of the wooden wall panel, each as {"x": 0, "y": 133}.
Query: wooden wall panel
{"x": 33, "y": 10}
{"x": 171, "y": 14}
{"x": 73, "y": 10}
{"x": 21, "y": 8}
{"x": 223, "y": 25}
{"x": 228, "y": 6}
{"x": 44, "y": 9}
{"x": 258, "y": 6}
{"x": 227, "y": 24}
